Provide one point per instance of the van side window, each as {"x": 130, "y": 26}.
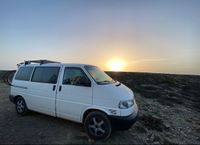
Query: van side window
{"x": 24, "y": 73}
{"x": 75, "y": 76}
{"x": 46, "y": 75}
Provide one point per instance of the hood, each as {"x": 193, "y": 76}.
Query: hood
{"x": 116, "y": 90}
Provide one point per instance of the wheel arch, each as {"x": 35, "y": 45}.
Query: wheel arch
{"x": 88, "y": 110}
{"x": 16, "y": 97}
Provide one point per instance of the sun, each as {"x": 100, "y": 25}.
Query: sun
{"x": 116, "y": 65}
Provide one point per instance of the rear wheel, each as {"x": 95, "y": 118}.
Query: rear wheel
{"x": 21, "y": 107}
{"x": 97, "y": 125}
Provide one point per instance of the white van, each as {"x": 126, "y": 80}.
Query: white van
{"x": 78, "y": 92}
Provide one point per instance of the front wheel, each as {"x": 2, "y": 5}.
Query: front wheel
{"x": 97, "y": 125}
{"x": 21, "y": 106}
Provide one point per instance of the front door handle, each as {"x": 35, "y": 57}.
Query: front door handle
{"x": 54, "y": 87}
{"x": 60, "y": 88}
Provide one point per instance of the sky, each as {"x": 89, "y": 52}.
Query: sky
{"x": 134, "y": 35}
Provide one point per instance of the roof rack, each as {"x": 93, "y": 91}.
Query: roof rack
{"x": 42, "y": 61}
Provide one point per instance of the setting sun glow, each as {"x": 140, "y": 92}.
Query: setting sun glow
{"x": 117, "y": 65}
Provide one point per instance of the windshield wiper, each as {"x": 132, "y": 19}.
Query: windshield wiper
{"x": 106, "y": 82}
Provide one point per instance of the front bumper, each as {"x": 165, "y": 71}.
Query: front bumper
{"x": 123, "y": 122}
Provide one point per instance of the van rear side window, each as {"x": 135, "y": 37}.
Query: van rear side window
{"x": 46, "y": 75}
{"x": 24, "y": 73}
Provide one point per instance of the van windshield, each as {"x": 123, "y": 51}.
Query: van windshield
{"x": 98, "y": 75}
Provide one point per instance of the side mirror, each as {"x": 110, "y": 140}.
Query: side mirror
{"x": 85, "y": 82}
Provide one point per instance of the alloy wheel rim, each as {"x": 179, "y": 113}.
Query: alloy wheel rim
{"x": 97, "y": 126}
{"x": 20, "y": 106}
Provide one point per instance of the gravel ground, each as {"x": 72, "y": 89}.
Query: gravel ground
{"x": 169, "y": 108}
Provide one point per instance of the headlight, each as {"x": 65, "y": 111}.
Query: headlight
{"x": 126, "y": 104}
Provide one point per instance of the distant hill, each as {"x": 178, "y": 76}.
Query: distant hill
{"x": 2, "y": 73}
{"x": 6, "y": 75}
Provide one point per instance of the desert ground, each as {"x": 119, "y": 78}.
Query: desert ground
{"x": 169, "y": 113}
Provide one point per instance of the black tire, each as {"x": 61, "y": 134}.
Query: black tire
{"x": 21, "y": 107}
{"x": 97, "y": 125}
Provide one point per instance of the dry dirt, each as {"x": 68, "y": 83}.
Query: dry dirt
{"x": 169, "y": 107}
